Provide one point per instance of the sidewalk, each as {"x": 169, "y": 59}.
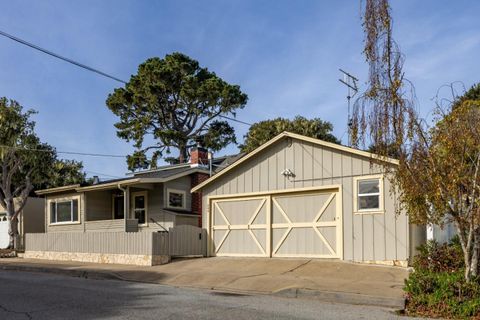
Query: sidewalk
{"x": 333, "y": 281}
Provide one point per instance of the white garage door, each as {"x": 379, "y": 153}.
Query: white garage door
{"x": 4, "y": 239}
{"x": 295, "y": 224}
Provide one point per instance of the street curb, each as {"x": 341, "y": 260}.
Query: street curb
{"x": 79, "y": 273}
{"x": 327, "y": 296}
{"x": 343, "y": 297}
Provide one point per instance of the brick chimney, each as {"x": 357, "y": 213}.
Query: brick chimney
{"x": 198, "y": 157}
{"x": 196, "y": 179}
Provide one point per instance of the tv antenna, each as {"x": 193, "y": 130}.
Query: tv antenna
{"x": 352, "y": 89}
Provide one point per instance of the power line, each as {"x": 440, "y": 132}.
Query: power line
{"x": 81, "y": 65}
{"x": 103, "y": 174}
{"x": 53, "y": 54}
{"x": 65, "y": 152}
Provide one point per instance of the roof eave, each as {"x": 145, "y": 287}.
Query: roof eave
{"x": 57, "y": 189}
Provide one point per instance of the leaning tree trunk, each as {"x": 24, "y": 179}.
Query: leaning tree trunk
{"x": 12, "y": 231}
{"x": 12, "y": 223}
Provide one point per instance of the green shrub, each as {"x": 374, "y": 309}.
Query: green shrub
{"x": 437, "y": 287}
{"x": 447, "y": 257}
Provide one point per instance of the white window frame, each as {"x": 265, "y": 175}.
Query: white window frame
{"x": 381, "y": 194}
{"x": 64, "y": 199}
{"x": 145, "y": 195}
{"x": 184, "y": 201}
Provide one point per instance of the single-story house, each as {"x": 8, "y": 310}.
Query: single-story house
{"x": 126, "y": 220}
{"x": 30, "y": 220}
{"x": 297, "y": 196}
{"x": 151, "y": 200}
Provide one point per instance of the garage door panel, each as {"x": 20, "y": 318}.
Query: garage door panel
{"x": 301, "y": 207}
{"x": 330, "y": 235}
{"x": 240, "y": 242}
{"x": 243, "y": 230}
{"x": 292, "y": 224}
{"x": 240, "y": 212}
{"x": 303, "y": 241}
{"x": 330, "y": 212}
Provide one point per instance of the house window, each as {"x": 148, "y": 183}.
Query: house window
{"x": 118, "y": 206}
{"x": 176, "y": 199}
{"x": 64, "y": 211}
{"x": 369, "y": 194}
{"x": 140, "y": 207}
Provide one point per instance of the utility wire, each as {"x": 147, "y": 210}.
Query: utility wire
{"x": 65, "y": 152}
{"x": 53, "y": 54}
{"x": 81, "y": 65}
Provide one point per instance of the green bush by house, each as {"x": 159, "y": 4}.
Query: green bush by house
{"x": 437, "y": 287}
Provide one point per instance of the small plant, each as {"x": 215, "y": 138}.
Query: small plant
{"x": 437, "y": 287}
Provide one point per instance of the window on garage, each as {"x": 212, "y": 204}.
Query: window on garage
{"x": 369, "y": 194}
{"x": 64, "y": 211}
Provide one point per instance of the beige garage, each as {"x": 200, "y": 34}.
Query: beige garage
{"x": 301, "y": 197}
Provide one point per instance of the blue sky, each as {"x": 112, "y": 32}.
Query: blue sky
{"x": 284, "y": 54}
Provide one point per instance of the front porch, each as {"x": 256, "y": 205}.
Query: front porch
{"x": 133, "y": 208}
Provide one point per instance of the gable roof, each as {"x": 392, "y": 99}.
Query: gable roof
{"x": 285, "y": 134}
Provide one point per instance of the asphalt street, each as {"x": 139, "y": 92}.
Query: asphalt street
{"x": 26, "y": 295}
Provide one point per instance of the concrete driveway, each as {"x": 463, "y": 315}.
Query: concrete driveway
{"x": 324, "y": 279}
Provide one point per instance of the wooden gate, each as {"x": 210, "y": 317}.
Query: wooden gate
{"x": 186, "y": 240}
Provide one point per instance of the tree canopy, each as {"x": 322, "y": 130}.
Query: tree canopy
{"x": 174, "y": 103}
{"x": 26, "y": 162}
{"x": 263, "y": 131}
{"x": 437, "y": 179}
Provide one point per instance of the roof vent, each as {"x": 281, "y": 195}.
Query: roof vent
{"x": 96, "y": 180}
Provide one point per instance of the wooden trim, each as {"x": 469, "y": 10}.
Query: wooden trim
{"x": 184, "y": 200}
{"x": 254, "y": 195}
{"x": 268, "y": 199}
{"x": 133, "y": 195}
{"x": 268, "y": 233}
{"x": 249, "y": 227}
{"x": 381, "y": 196}
{"x": 58, "y": 189}
{"x": 282, "y": 135}
{"x": 64, "y": 198}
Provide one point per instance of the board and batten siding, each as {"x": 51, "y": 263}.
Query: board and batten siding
{"x": 366, "y": 237}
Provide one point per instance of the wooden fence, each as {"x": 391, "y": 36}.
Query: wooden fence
{"x": 186, "y": 240}
{"x": 135, "y": 243}
{"x": 182, "y": 240}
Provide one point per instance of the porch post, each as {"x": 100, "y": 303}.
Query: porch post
{"x": 126, "y": 205}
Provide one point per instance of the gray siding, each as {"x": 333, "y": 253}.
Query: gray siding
{"x": 375, "y": 237}
{"x": 33, "y": 216}
{"x": 186, "y": 220}
{"x": 183, "y": 183}
{"x": 98, "y": 205}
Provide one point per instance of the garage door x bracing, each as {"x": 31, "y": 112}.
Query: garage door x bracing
{"x": 297, "y": 224}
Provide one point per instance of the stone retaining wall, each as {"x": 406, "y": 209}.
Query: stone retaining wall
{"x": 132, "y": 259}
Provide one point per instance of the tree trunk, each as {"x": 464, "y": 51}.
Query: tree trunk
{"x": 12, "y": 223}
{"x": 475, "y": 254}
{"x": 12, "y": 231}
{"x": 183, "y": 157}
